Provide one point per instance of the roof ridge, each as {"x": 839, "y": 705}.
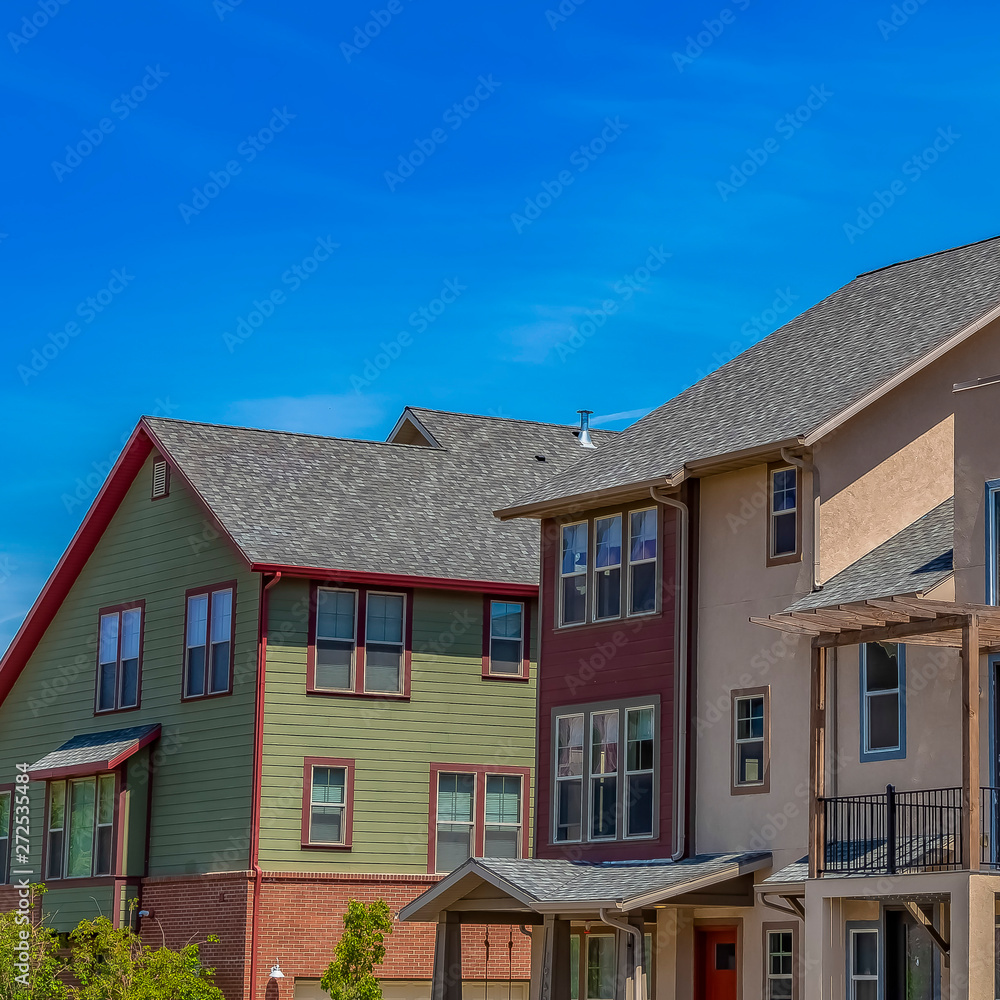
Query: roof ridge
{"x": 301, "y": 434}
{"x": 927, "y": 256}
{"x": 512, "y": 420}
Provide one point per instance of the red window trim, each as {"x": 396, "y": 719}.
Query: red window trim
{"x": 479, "y": 827}
{"x": 110, "y": 610}
{"x": 117, "y": 833}
{"x": 361, "y": 615}
{"x": 195, "y": 592}
{"x": 525, "y": 674}
{"x": 307, "y": 768}
{"x": 5, "y": 862}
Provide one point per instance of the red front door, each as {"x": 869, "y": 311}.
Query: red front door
{"x": 715, "y": 956}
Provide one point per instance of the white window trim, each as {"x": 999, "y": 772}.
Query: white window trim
{"x": 898, "y": 752}
{"x": 560, "y": 603}
{"x": 330, "y": 638}
{"x": 520, "y": 640}
{"x": 628, "y": 774}
{"x": 519, "y": 825}
{"x": 381, "y": 642}
{"x": 855, "y": 976}
{"x": 342, "y": 806}
{"x": 471, "y": 824}
{"x": 641, "y": 562}
{"x": 581, "y": 777}
{"x": 603, "y": 569}
{"x": 771, "y": 977}
{"x": 737, "y": 741}
{"x": 593, "y": 777}
{"x": 622, "y": 707}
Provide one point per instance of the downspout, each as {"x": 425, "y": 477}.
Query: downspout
{"x": 800, "y": 463}
{"x": 638, "y": 967}
{"x": 681, "y": 752}
{"x": 258, "y": 771}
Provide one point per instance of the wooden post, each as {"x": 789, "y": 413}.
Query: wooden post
{"x": 447, "y": 981}
{"x": 817, "y": 763}
{"x": 970, "y": 743}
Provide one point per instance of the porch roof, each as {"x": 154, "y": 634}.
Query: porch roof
{"x": 544, "y": 885}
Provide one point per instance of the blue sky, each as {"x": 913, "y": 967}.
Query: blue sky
{"x": 613, "y": 199}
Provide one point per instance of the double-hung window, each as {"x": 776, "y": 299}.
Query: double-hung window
{"x": 605, "y": 788}
{"x": 327, "y": 802}
{"x": 618, "y": 576}
{"x": 478, "y": 812}
{"x": 209, "y": 633}
{"x": 119, "y": 657}
{"x": 505, "y": 650}
{"x": 993, "y": 541}
{"x": 608, "y": 567}
{"x": 864, "y": 964}
{"x": 883, "y": 701}
{"x": 573, "y": 574}
{"x": 358, "y": 642}
{"x": 6, "y": 823}
{"x": 779, "y": 972}
{"x": 783, "y": 529}
{"x": 642, "y": 561}
{"x": 751, "y": 724}
{"x": 80, "y": 838}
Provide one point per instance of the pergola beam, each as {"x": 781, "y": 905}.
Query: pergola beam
{"x": 892, "y": 632}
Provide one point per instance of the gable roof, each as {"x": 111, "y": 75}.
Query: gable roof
{"x": 795, "y": 383}
{"x": 412, "y": 511}
{"x": 913, "y": 561}
{"x": 337, "y": 504}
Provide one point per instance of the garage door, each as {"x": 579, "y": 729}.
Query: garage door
{"x": 308, "y": 989}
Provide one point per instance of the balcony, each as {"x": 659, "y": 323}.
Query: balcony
{"x": 893, "y": 832}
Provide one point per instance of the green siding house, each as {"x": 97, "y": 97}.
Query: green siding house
{"x": 273, "y": 672}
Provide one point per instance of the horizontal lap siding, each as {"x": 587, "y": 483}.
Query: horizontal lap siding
{"x": 453, "y": 716}
{"x": 628, "y": 658}
{"x": 152, "y": 551}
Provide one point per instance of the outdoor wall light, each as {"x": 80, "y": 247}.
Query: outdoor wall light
{"x": 276, "y": 972}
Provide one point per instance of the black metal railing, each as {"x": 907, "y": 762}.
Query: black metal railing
{"x": 894, "y": 832}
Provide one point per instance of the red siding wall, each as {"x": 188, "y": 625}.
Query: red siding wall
{"x": 606, "y": 662}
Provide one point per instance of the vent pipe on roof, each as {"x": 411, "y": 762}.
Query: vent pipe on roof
{"x": 583, "y": 434}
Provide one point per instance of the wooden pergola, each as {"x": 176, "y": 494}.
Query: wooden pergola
{"x": 972, "y": 628}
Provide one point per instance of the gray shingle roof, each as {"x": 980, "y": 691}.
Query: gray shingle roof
{"x": 797, "y": 871}
{"x": 557, "y": 880}
{"x": 804, "y": 373}
{"x": 95, "y": 748}
{"x": 914, "y": 561}
{"x": 379, "y": 507}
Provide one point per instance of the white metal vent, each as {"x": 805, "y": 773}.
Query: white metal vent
{"x": 161, "y": 479}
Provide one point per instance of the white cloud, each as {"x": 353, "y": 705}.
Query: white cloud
{"x": 341, "y": 416}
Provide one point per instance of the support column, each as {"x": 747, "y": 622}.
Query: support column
{"x": 447, "y": 981}
{"x": 970, "y": 743}
{"x": 817, "y": 762}
{"x": 971, "y": 946}
{"x": 550, "y": 960}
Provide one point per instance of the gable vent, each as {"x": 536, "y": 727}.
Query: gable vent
{"x": 161, "y": 479}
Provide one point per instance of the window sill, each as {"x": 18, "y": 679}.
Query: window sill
{"x": 761, "y": 789}
{"x": 522, "y": 678}
{"x": 206, "y": 697}
{"x": 325, "y": 847}
{"x": 605, "y": 623}
{"x": 320, "y": 692}
{"x": 795, "y": 557}
{"x": 872, "y": 756}
{"x": 116, "y": 711}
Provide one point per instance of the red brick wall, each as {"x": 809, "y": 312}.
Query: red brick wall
{"x": 301, "y": 917}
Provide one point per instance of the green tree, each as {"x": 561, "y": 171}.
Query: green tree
{"x": 362, "y": 947}
{"x": 40, "y": 980}
{"x": 112, "y": 963}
